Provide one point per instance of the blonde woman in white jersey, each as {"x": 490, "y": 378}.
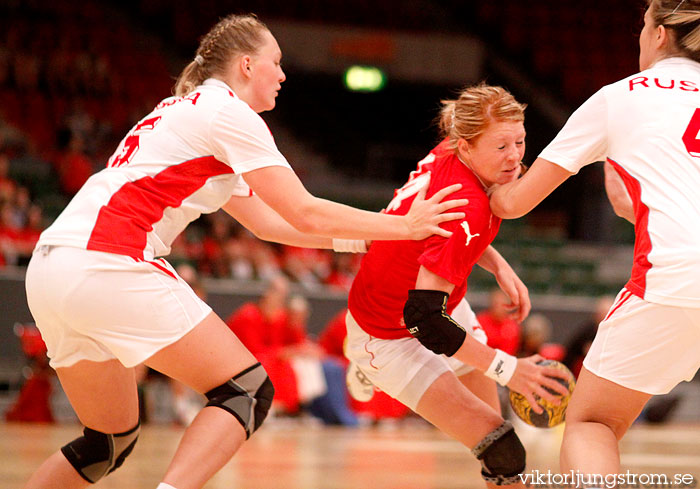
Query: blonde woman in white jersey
{"x": 104, "y": 300}
{"x": 646, "y": 126}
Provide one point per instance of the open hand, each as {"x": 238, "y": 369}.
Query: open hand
{"x": 425, "y": 215}
{"x": 532, "y": 380}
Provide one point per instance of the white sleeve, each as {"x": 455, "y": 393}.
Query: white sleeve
{"x": 240, "y": 137}
{"x": 584, "y": 137}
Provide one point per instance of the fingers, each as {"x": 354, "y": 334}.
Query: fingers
{"x": 421, "y": 193}
{"x": 556, "y": 373}
{"x": 441, "y": 232}
{"x": 524, "y": 297}
{"x": 449, "y": 216}
{"x": 525, "y": 308}
{"x": 535, "y": 358}
{"x": 451, "y": 204}
{"x": 548, "y": 396}
{"x": 441, "y": 194}
{"x": 532, "y": 401}
{"x": 556, "y": 387}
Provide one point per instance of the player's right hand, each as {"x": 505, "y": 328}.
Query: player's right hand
{"x": 531, "y": 379}
{"x": 425, "y": 215}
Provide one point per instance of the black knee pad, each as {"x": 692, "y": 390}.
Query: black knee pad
{"x": 502, "y": 456}
{"x": 96, "y": 454}
{"x": 427, "y": 320}
{"x": 247, "y": 396}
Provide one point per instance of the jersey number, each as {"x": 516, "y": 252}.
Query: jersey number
{"x": 690, "y": 137}
{"x": 130, "y": 144}
{"x": 417, "y": 180}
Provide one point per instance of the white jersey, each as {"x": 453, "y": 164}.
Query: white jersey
{"x": 647, "y": 127}
{"x": 184, "y": 159}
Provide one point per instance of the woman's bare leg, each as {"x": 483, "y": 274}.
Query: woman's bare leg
{"x": 206, "y": 357}
{"x": 598, "y": 415}
{"x": 460, "y": 413}
{"x": 103, "y": 395}
{"x": 483, "y": 388}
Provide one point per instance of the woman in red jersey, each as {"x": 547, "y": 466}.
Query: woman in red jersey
{"x": 446, "y": 373}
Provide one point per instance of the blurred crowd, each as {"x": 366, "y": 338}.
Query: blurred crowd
{"x": 219, "y": 247}
{"x": 21, "y": 220}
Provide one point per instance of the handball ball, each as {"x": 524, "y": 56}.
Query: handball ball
{"x": 551, "y": 415}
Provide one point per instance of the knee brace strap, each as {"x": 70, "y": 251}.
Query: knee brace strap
{"x": 96, "y": 454}
{"x": 247, "y": 396}
{"x": 502, "y": 456}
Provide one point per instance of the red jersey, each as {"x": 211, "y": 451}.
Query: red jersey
{"x": 390, "y": 268}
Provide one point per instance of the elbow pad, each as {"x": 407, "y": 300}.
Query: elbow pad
{"x": 427, "y": 320}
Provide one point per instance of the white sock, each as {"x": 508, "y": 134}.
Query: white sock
{"x": 163, "y": 485}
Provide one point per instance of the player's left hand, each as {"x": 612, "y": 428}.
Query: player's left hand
{"x": 533, "y": 381}
{"x": 516, "y": 291}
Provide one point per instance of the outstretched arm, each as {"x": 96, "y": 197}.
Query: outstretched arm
{"x": 281, "y": 189}
{"x": 517, "y": 198}
{"x": 261, "y": 220}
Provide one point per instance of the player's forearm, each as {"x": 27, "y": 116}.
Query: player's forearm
{"x": 491, "y": 260}
{"x": 267, "y": 225}
{"x": 476, "y": 354}
{"x": 515, "y": 199}
{"x": 326, "y": 218}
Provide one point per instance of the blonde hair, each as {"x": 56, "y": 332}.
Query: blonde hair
{"x": 682, "y": 18}
{"x": 468, "y": 116}
{"x": 231, "y": 36}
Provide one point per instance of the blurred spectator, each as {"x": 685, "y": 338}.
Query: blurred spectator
{"x": 33, "y": 402}
{"x": 214, "y": 260}
{"x": 71, "y": 162}
{"x": 536, "y": 332}
{"x": 577, "y": 347}
{"x": 344, "y": 267}
{"x": 10, "y": 234}
{"x": 7, "y": 185}
{"x": 239, "y": 250}
{"x": 21, "y": 204}
{"x": 29, "y": 234}
{"x": 302, "y": 374}
{"x": 502, "y": 331}
{"x": 306, "y": 266}
{"x": 185, "y": 250}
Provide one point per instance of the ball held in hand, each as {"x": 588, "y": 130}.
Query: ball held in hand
{"x": 551, "y": 415}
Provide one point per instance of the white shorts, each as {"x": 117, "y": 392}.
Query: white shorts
{"x": 404, "y": 368}
{"x": 97, "y": 306}
{"x": 645, "y": 346}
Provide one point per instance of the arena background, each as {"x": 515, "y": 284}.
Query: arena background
{"x": 97, "y": 67}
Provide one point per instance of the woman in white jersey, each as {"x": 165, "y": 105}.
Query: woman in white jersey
{"x": 104, "y": 300}
{"x": 646, "y": 126}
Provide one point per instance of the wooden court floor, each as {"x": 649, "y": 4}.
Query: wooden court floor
{"x": 299, "y": 456}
